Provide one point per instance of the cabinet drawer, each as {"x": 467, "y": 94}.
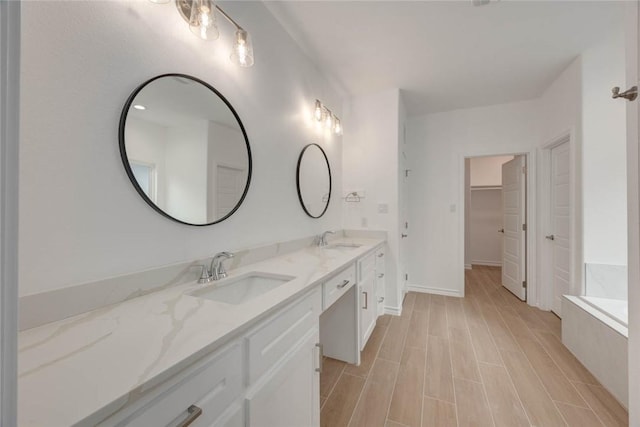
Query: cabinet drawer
{"x": 272, "y": 340}
{"x": 336, "y": 286}
{"x": 212, "y": 387}
{"x": 367, "y": 267}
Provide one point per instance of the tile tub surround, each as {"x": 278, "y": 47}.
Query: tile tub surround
{"x": 599, "y": 342}
{"x": 606, "y": 281}
{"x": 84, "y": 368}
{"x": 40, "y": 309}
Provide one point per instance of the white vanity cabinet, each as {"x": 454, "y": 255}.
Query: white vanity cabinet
{"x": 368, "y": 306}
{"x": 290, "y": 395}
{"x": 266, "y": 377}
{"x": 204, "y": 392}
{"x": 284, "y": 368}
{"x": 380, "y": 279}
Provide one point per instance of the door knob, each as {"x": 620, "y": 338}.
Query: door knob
{"x": 550, "y": 237}
{"x": 501, "y": 230}
{"x": 629, "y": 95}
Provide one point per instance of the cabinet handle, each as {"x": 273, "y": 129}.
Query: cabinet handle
{"x": 320, "y": 356}
{"x": 381, "y": 254}
{"x": 343, "y": 284}
{"x": 381, "y": 299}
{"x": 366, "y": 300}
{"x": 194, "y": 412}
{"x": 380, "y": 276}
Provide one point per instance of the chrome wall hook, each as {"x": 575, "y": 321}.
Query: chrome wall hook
{"x": 630, "y": 94}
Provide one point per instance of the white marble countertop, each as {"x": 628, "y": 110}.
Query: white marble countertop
{"x": 79, "y": 370}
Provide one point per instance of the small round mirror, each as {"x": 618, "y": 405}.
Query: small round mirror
{"x": 314, "y": 180}
{"x": 185, "y": 149}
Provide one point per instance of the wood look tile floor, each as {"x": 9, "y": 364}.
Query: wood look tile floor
{"x": 484, "y": 360}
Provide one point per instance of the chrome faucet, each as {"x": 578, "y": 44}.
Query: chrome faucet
{"x": 205, "y": 276}
{"x": 322, "y": 238}
{"x": 217, "y": 268}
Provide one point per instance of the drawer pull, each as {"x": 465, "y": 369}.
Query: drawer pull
{"x": 343, "y": 284}
{"x": 380, "y": 276}
{"x": 194, "y": 412}
{"x": 320, "y": 357}
{"x": 381, "y": 254}
{"x": 366, "y": 300}
{"x": 381, "y": 299}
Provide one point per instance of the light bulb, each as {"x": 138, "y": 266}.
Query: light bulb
{"x": 203, "y": 20}
{"x": 317, "y": 113}
{"x": 242, "y": 52}
{"x": 338, "y": 128}
{"x": 328, "y": 122}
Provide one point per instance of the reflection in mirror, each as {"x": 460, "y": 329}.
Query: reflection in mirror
{"x": 314, "y": 180}
{"x": 185, "y": 149}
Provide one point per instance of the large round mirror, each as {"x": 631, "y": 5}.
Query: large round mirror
{"x": 185, "y": 149}
{"x": 314, "y": 180}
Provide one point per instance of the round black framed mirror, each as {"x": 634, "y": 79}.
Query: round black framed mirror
{"x": 185, "y": 149}
{"x": 313, "y": 179}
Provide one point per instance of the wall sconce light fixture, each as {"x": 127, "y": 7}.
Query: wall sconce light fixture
{"x": 323, "y": 115}
{"x": 200, "y": 15}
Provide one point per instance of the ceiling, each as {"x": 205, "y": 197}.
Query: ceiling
{"x": 447, "y": 55}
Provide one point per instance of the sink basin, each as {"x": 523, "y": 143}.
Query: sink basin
{"x": 238, "y": 290}
{"x": 342, "y": 246}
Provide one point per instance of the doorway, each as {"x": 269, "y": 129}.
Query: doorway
{"x": 495, "y": 218}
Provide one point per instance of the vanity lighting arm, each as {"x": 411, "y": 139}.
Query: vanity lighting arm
{"x": 230, "y": 19}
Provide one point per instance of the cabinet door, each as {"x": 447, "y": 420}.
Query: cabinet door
{"x": 368, "y": 309}
{"x": 289, "y": 396}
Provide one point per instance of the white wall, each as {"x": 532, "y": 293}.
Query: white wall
{"x": 561, "y": 115}
{"x": 186, "y": 171}
{"x": 9, "y": 171}
{"x": 81, "y": 218}
{"x": 484, "y": 222}
{"x": 439, "y": 142}
{"x": 370, "y": 163}
{"x": 487, "y": 171}
{"x": 604, "y": 172}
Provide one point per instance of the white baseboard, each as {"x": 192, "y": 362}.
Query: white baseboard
{"x": 394, "y": 311}
{"x": 487, "y": 263}
{"x": 436, "y": 291}
{"x": 467, "y": 266}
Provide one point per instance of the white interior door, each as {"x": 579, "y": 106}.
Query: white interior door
{"x": 513, "y": 222}
{"x": 228, "y": 190}
{"x": 559, "y": 237}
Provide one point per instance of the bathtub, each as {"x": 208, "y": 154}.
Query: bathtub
{"x": 595, "y": 330}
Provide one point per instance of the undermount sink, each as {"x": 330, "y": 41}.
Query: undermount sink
{"x": 241, "y": 289}
{"x": 342, "y": 246}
